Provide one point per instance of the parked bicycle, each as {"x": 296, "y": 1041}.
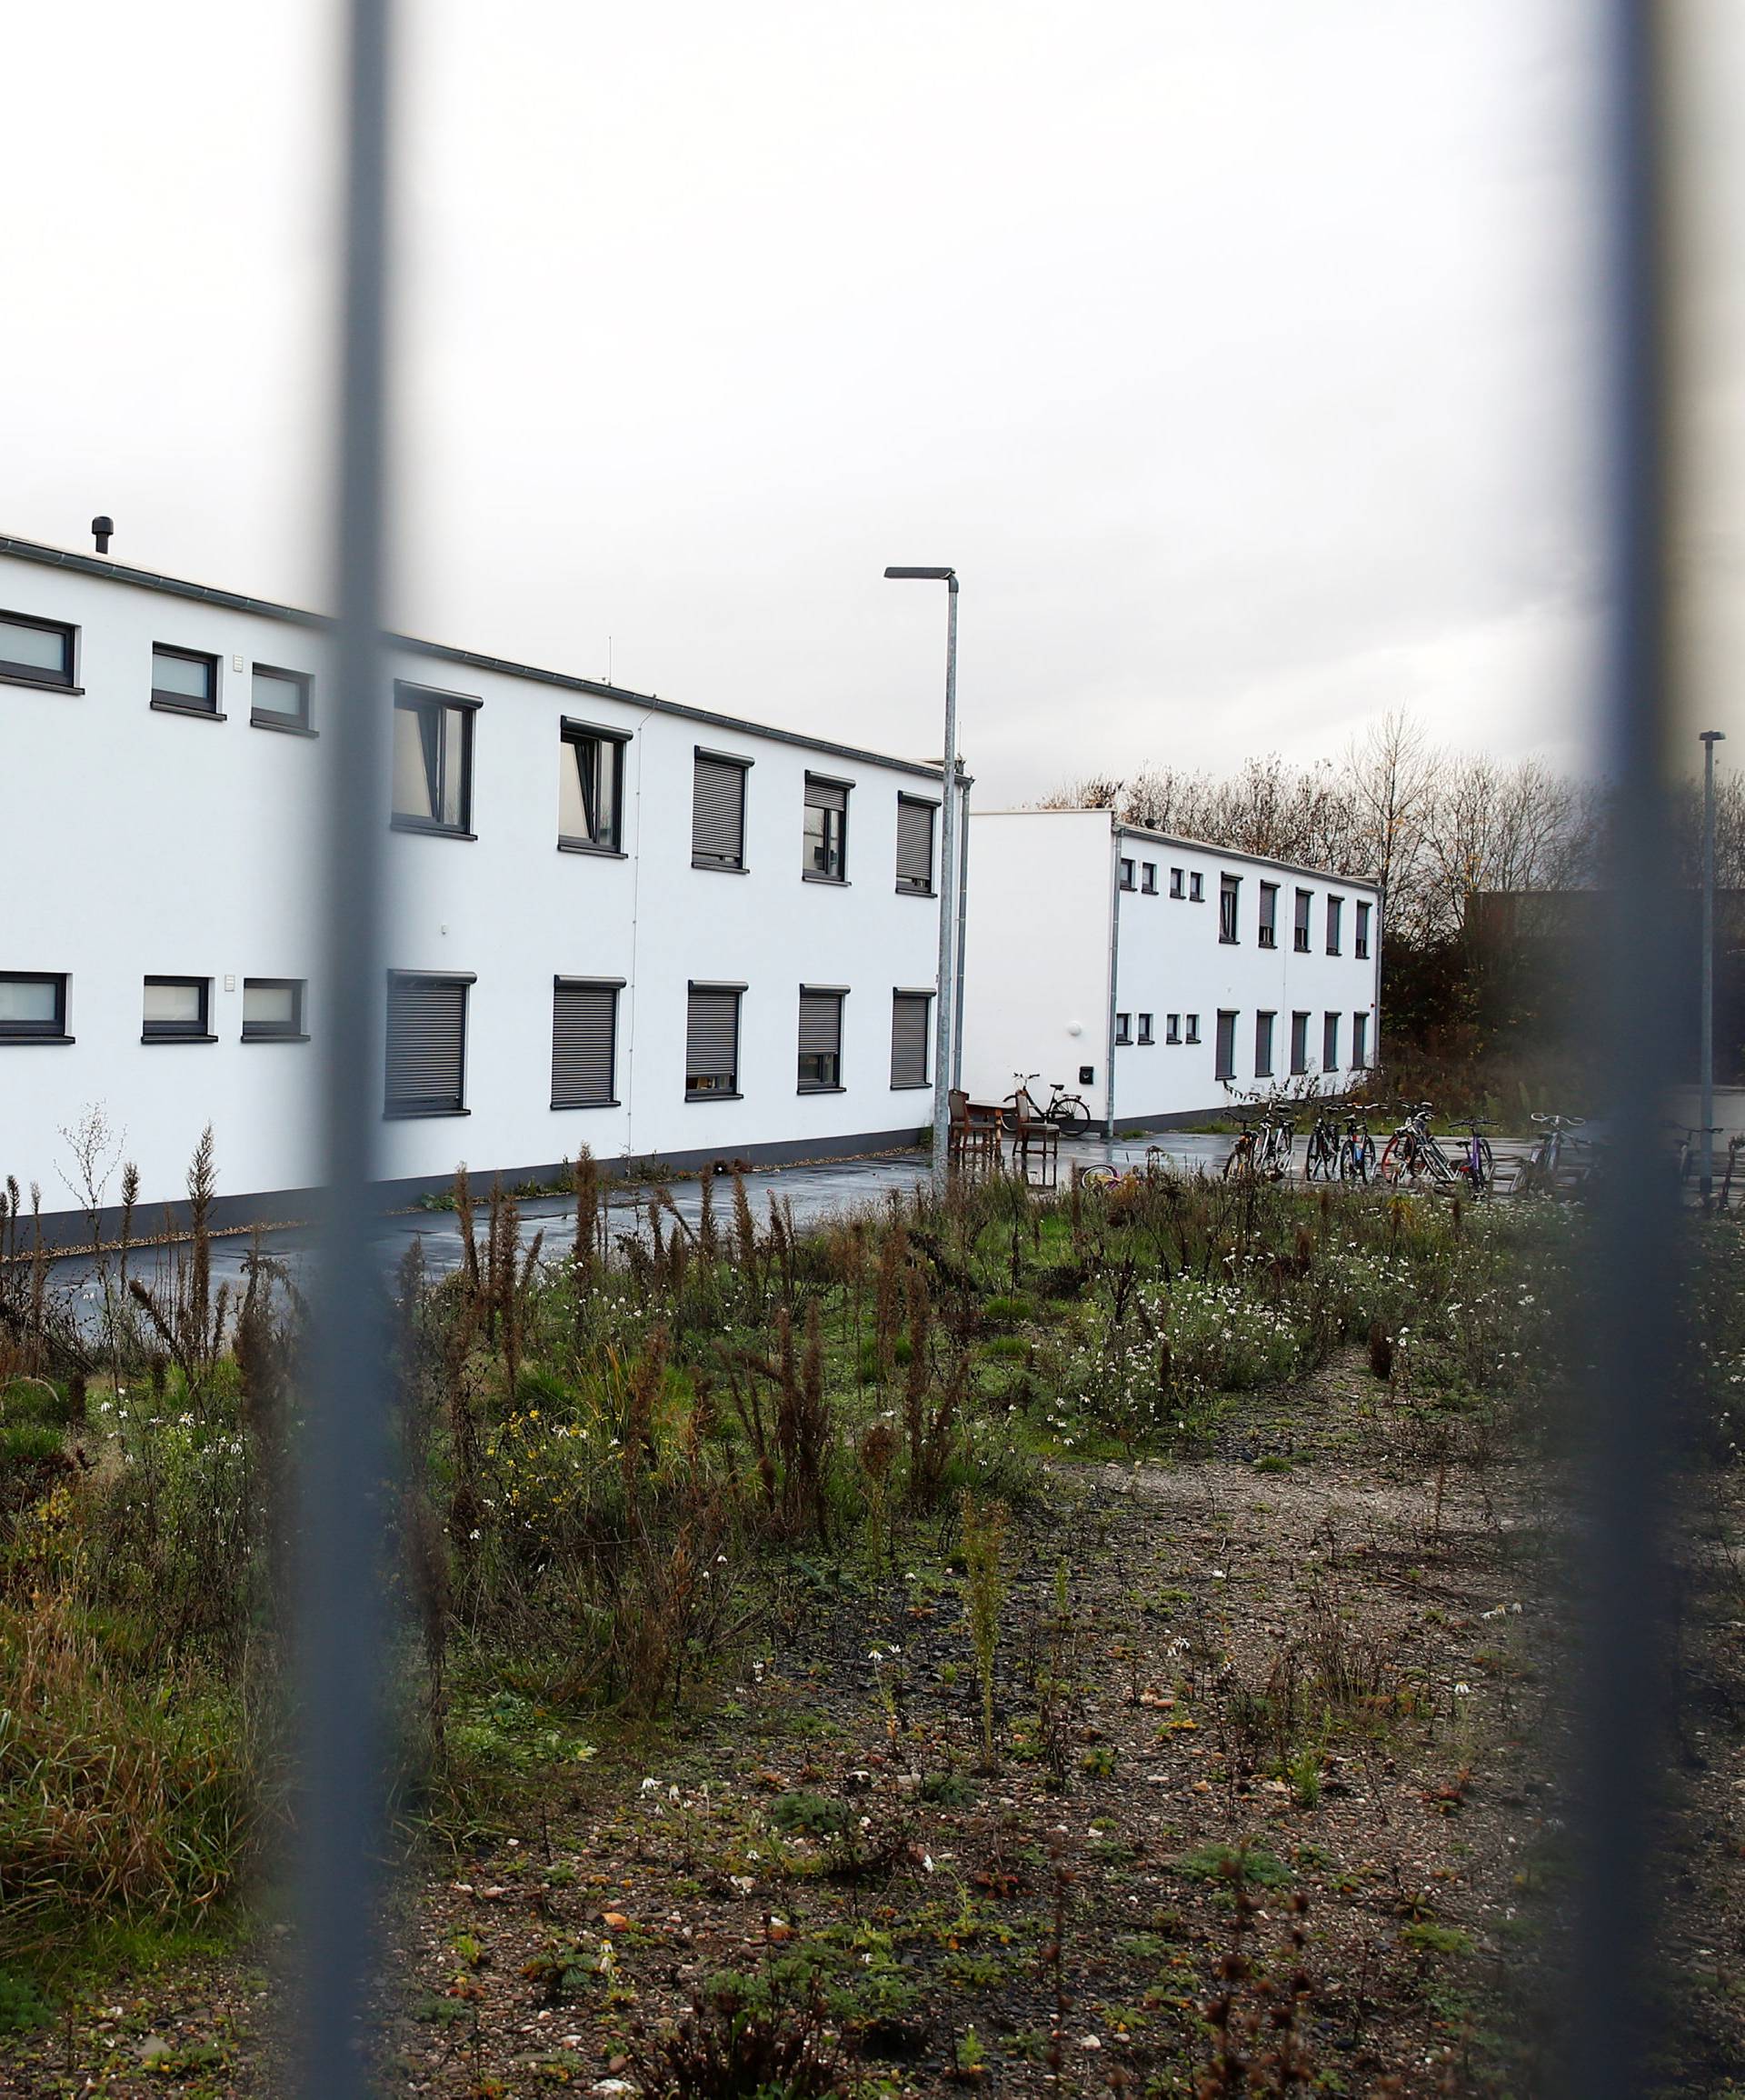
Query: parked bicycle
{"x": 1320, "y": 1161}
{"x": 1356, "y": 1151}
{"x": 1547, "y": 1171}
{"x": 1067, "y": 1112}
{"x": 1476, "y": 1164}
{"x": 1412, "y": 1154}
{"x": 1264, "y": 1150}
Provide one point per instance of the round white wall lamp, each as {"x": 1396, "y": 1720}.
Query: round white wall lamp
{"x": 1075, "y": 1027}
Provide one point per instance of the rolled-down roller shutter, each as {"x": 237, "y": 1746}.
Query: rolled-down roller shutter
{"x": 718, "y": 812}
{"x": 909, "y": 1038}
{"x": 826, "y": 794}
{"x": 820, "y": 1034}
{"x": 427, "y": 1063}
{"x": 585, "y": 1029}
{"x": 914, "y": 845}
{"x": 712, "y": 1039}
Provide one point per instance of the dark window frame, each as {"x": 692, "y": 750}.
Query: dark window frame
{"x": 837, "y": 993}
{"x": 1196, "y": 886}
{"x": 50, "y": 1031}
{"x": 1146, "y": 1025}
{"x": 910, "y": 886}
{"x": 1361, "y": 932}
{"x": 1335, "y": 925}
{"x": 195, "y": 1031}
{"x": 808, "y": 873}
{"x": 733, "y": 1091}
{"x": 1178, "y": 882}
{"x": 168, "y": 703}
{"x": 270, "y": 1032}
{"x": 11, "y": 673}
{"x": 301, "y": 723}
{"x": 1266, "y": 1041}
{"x": 1190, "y": 1028}
{"x": 1360, "y": 1057}
{"x": 1127, "y": 873}
{"x": 1301, "y": 909}
{"x": 927, "y": 998}
{"x": 1148, "y": 878}
{"x": 1224, "y": 1043}
{"x": 1267, "y": 935}
{"x": 1230, "y": 905}
{"x": 414, "y": 699}
{"x": 610, "y": 1098}
{"x": 711, "y": 863}
{"x": 1329, "y": 1042}
{"x": 1171, "y": 1028}
{"x": 571, "y": 733}
{"x": 1300, "y": 1042}
{"x": 1124, "y": 1031}
{"x": 412, "y": 1112}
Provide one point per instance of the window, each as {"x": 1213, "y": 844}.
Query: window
{"x": 1230, "y": 889}
{"x": 585, "y": 1041}
{"x": 279, "y": 699}
{"x": 1361, "y": 939}
{"x": 1300, "y": 941}
{"x": 1124, "y": 1027}
{"x": 1335, "y": 920}
{"x": 711, "y": 1041}
{"x": 1299, "y": 1044}
{"x": 825, "y": 858}
{"x": 1127, "y": 874}
{"x": 1172, "y": 1027}
{"x": 1193, "y": 1028}
{"x": 33, "y": 1007}
{"x": 1196, "y": 888}
{"x": 1330, "y": 1042}
{"x": 1360, "y": 1041}
{"x": 36, "y": 652}
{"x": 1268, "y": 935}
{"x": 821, "y": 1039}
{"x": 176, "y": 1010}
{"x": 718, "y": 811}
{"x": 1264, "y": 1026}
{"x": 1148, "y": 878}
{"x": 272, "y": 1010}
{"x": 433, "y": 762}
{"x": 1224, "y": 1066}
{"x": 1175, "y": 882}
{"x": 590, "y": 789}
{"x": 426, "y": 1056}
{"x": 915, "y": 845}
{"x": 183, "y": 682}
{"x": 1145, "y": 1035}
{"x": 909, "y": 1012}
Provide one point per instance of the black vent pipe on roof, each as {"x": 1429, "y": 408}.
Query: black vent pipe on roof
{"x": 103, "y": 527}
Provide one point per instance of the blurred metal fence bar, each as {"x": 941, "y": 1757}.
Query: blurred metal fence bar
{"x": 341, "y": 1619}
{"x": 1631, "y": 1389}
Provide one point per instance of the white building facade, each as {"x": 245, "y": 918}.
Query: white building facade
{"x": 617, "y": 922}
{"x": 1159, "y": 978}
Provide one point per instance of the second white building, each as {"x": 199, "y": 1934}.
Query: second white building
{"x": 1159, "y": 978}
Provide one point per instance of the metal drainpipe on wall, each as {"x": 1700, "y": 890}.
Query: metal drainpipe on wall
{"x": 963, "y": 917}
{"x": 1115, "y": 976}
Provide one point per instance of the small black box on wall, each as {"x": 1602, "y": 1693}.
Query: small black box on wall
{"x": 1087, "y": 1075}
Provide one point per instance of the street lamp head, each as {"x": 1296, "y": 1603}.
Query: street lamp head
{"x": 1711, "y": 736}
{"x": 923, "y": 575}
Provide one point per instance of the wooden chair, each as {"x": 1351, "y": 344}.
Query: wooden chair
{"x": 974, "y": 1134}
{"x": 1035, "y": 1150}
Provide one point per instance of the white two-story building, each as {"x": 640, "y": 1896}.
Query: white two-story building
{"x": 1159, "y": 978}
{"x": 617, "y": 921}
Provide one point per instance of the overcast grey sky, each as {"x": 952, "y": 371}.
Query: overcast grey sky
{"x": 1240, "y": 356}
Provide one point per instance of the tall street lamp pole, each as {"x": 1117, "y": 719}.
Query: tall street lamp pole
{"x": 944, "y": 998}
{"x": 1706, "y": 1066}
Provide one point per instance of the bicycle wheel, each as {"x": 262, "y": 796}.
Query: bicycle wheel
{"x": 1070, "y": 1116}
{"x": 1486, "y": 1179}
{"x": 1240, "y": 1162}
{"x": 1364, "y": 1155}
{"x": 1392, "y": 1163}
{"x": 1098, "y": 1177}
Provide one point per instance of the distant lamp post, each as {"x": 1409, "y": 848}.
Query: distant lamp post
{"x": 944, "y": 996}
{"x": 1706, "y": 1066}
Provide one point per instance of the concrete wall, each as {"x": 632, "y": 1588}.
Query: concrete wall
{"x": 146, "y": 843}
{"x": 1052, "y": 931}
